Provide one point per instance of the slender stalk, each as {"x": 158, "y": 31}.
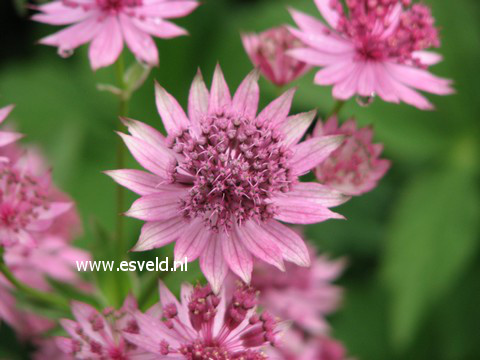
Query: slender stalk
{"x": 337, "y": 108}
{"x": 45, "y": 298}
{"x": 120, "y": 162}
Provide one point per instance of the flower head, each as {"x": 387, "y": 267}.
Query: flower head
{"x": 268, "y": 52}
{"x": 205, "y": 325}
{"x": 107, "y": 24}
{"x": 224, "y": 176}
{"x": 96, "y": 335}
{"x": 372, "y": 48}
{"x": 355, "y": 167}
{"x": 27, "y": 208}
{"x": 302, "y": 295}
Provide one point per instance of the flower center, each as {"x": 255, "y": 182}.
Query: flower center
{"x": 236, "y": 165}
{"x": 380, "y": 33}
{"x": 117, "y": 5}
{"x": 21, "y": 198}
{"x": 201, "y": 351}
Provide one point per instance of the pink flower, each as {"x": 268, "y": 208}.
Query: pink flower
{"x": 302, "y": 295}
{"x": 205, "y": 326}
{"x": 296, "y": 347}
{"x": 27, "y": 209}
{"x": 7, "y": 137}
{"x": 110, "y": 23}
{"x": 223, "y": 177}
{"x": 377, "y": 48}
{"x": 355, "y": 167}
{"x": 267, "y": 51}
{"x": 47, "y": 349}
{"x": 97, "y": 335}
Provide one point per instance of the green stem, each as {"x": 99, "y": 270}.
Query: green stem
{"x": 45, "y": 298}
{"x": 336, "y": 109}
{"x": 120, "y": 162}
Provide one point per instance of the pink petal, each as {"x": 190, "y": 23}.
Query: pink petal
{"x": 260, "y": 243}
{"x": 245, "y": 101}
{"x": 297, "y": 212}
{"x": 5, "y": 111}
{"x": 238, "y": 258}
{"x": 107, "y": 44}
{"x": 140, "y": 182}
{"x": 213, "y": 265}
{"x": 159, "y": 206}
{"x": 75, "y": 35}
{"x": 157, "y": 159}
{"x": 168, "y": 9}
{"x": 324, "y": 42}
{"x": 347, "y": 87}
{"x": 291, "y": 244}
{"x": 9, "y": 137}
{"x": 329, "y": 14}
{"x": 307, "y": 23}
{"x": 159, "y": 233}
{"x": 385, "y": 87}
{"x": 308, "y": 154}
{"x": 56, "y": 13}
{"x": 313, "y": 194}
{"x": 277, "y": 111}
{"x": 192, "y": 242}
{"x": 139, "y": 42}
{"x": 54, "y": 209}
{"x": 427, "y": 57}
{"x": 143, "y": 131}
{"x": 172, "y": 114}
{"x": 220, "y": 98}
{"x": 159, "y": 28}
{"x": 366, "y": 80}
{"x": 315, "y": 57}
{"x": 336, "y": 72}
{"x": 198, "y": 101}
{"x": 419, "y": 79}
{"x": 295, "y": 127}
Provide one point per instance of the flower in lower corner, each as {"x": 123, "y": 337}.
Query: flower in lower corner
{"x": 95, "y": 335}
{"x": 205, "y": 325}
{"x": 302, "y": 295}
{"x": 107, "y": 24}
{"x": 268, "y": 52}
{"x": 372, "y": 48}
{"x": 221, "y": 181}
{"x": 355, "y": 167}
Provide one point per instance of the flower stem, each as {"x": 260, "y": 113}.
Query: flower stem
{"x": 336, "y": 109}
{"x": 120, "y": 162}
{"x": 44, "y": 298}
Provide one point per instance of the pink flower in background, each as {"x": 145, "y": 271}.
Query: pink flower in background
{"x": 223, "y": 177}
{"x": 107, "y": 24}
{"x": 295, "y": 346}
{"x": 355, "y": 167}
{"x": 7, "y": 137}
{"x": 99, "y": 336}
{"x": 205, "y": 326}
{"x": 267, "y": 51}
{"x": 376, "y": 48}
{"x": 302, "y": 295}
{"x": 26, "y": 207}
{"x": 47, "y": 349}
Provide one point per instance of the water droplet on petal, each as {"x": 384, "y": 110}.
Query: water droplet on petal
{"x": 65, "y": 53}
{"x": 365, "y": 101}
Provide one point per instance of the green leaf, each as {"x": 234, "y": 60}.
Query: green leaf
{"x": 432, "y": 238}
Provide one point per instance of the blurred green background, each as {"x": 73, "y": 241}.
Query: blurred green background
{"x": 413, "y": 281}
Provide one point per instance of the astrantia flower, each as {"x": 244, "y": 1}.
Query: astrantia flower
{"x": 295, "y": 346}
{"x": 99, "y": 336}
{"x": 355, "y": 167}
{"x": 375, "y": 48}
{"x": 7, "y": 137}
{"x": 267, "y": 51}
{"x": 302, "y": 295}
{"x": 110, "y": 23}
{"x": 205, "y": 326}
{"x": 224, "y": 176}
{"x": 26, "y": 207}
